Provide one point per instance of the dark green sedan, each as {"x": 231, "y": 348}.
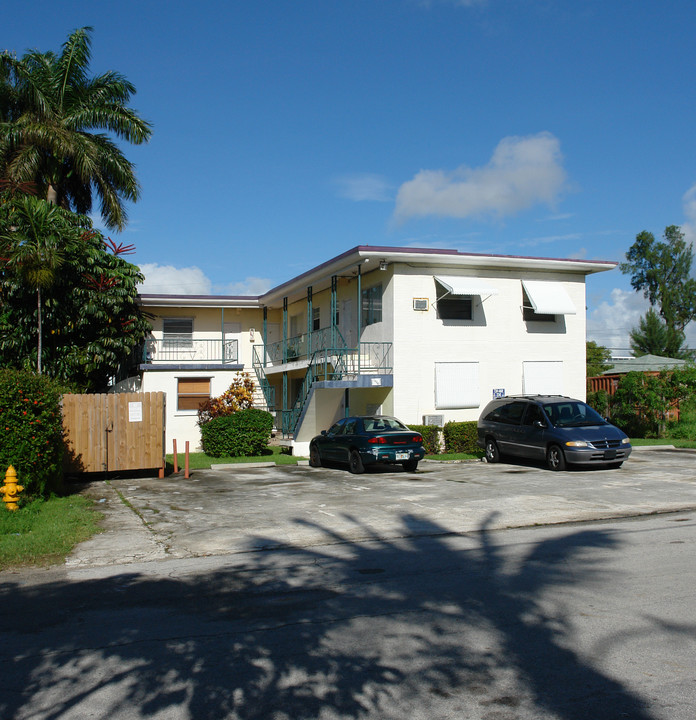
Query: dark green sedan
{"x": 365, "y": 440}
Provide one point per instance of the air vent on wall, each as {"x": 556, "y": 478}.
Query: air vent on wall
{"x": 420, "y": 303}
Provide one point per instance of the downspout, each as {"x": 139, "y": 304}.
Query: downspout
{"x": 310, "y": 321}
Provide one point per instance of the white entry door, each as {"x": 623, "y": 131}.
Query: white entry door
{"x": 346, "y": 323}
{"x": 232, "y": 332}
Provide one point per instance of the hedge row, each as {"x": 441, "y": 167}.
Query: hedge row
{"x": 242, "y": 434}
{"x": 455, "y": 437}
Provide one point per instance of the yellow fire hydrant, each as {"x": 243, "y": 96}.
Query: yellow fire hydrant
{"x": 11, "y": 489}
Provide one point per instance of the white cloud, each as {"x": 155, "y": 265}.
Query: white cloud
{"x": 249, "y": 286}
{"x": 522, "y": 172}
{"x": 365, "y": 186}
{"x": 166, "y": 279}
{"x": 689, "y": 227}
{"x": 610, "y": 323}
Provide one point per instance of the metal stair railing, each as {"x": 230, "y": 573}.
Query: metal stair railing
{"x": 337, "y": 364}
{"x": 266, "y": 388}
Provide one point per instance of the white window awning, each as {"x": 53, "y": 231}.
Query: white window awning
{"x": 456, "y": 285}
{"x": 548, "y": 298}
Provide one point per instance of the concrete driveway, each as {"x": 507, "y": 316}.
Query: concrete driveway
{"x": 251, "y": 508}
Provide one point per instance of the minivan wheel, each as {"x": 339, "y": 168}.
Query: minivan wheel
{"x": 492, "y": 452}
{"x": 356, "y": 463}
{"x": 555, "y": 459}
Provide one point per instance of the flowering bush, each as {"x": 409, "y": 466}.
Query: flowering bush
{"x": 31, "y": 431}
{"x": 238, "y": 396}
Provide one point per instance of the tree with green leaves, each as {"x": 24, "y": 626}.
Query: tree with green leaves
{"x": 33, "y": 238}
{"x": 654, "y": 337}
{"x": 662, "y": 271}
{"x": 92, "y": 322}
{"x": 52, "y": 114}
{"x": 597, "y": 358}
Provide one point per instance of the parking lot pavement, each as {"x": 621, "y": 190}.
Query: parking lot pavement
{"x": 248, "y": 508}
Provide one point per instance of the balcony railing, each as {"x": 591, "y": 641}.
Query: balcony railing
{"x": 301, "y": 347}
{"x": 191, "y": 350}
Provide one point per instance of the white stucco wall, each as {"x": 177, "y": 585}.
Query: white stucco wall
{"x": 497, "y": 338}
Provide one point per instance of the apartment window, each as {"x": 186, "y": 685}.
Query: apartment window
{"x": 530, "y": 314}
{"x": 454, "y": 308}
{"x": 316, "y": 318}
{"x": 372, "y": 305}
{"x": 192, "y": 393}
{"x": 178, "y": 331}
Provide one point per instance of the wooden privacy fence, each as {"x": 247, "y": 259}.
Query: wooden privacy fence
{"x": 115, "y": 431}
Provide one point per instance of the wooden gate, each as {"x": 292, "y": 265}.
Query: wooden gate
{"x": 115, "y": 431}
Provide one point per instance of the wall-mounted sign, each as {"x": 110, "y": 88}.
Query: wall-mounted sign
{"x": 498, "y": 392}
{"x": 135, "y": 412}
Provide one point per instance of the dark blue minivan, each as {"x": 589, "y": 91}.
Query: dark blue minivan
{"x": 558, "y": 429}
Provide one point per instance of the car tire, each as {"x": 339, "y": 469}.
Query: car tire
{"x": 411, "y": 465}
{"x": 314, "y": 457}
{"x": 355, "y": 463}
{"x": 555, "y": 459}
{"x": 492, "y": 452}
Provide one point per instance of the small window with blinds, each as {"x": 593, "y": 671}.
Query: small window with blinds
{"x": 192, "y": 393}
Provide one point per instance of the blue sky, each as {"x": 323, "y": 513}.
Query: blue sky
{"x": 288, "y": 131}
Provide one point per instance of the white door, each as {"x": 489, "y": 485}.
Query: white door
{"x": 346, "y": 324}
{"x": 232, "y": 332}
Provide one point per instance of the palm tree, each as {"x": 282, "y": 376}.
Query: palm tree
{"x": 49, "y": 110}
{"x": 32, "y": 242}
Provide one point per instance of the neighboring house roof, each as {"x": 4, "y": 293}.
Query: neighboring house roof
{"x": 644, "y": 363}
{"x": 370, "y": 256}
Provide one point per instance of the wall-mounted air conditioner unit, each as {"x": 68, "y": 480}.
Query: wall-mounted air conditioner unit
{"x": 420, "y": 304}
{"x": 438, "y": 420}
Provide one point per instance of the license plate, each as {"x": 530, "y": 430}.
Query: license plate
{"x": 401, "y": 456}
{"x": 609, "y": 454}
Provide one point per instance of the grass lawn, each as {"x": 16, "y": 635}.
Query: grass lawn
{"x": 45, "y": 531}
{"x": 637, "y": 442}
{"x": 455, "y": 456}
{"x": 201, "y": 461}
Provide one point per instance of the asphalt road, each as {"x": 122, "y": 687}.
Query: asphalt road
{"x": 595, "y": 620}
{"x": 491, "y": 592}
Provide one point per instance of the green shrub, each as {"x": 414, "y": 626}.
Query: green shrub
{"x": 461, "y": 437}
{"x": 431, "y": 437}
{"x": 31, "y": 431}
{"x": 244, "y": 433}
{"x": 599, "y": 401}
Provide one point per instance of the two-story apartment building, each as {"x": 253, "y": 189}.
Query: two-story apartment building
{"x": 422, "y": 334}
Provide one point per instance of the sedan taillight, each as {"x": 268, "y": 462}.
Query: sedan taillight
{"x": 377, "y": 441}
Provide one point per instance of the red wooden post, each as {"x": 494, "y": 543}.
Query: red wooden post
{"x": 186, "y": 461}
{"x": 176, "y": 464}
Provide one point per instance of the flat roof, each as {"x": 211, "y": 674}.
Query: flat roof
{"x": 363, "y": 255}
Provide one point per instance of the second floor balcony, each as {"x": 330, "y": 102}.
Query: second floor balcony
{"x": 191, "y": 350}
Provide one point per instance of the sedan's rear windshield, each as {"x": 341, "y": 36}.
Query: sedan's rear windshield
{"x": 382, "y": 423}
{"x": 572, "y": 413}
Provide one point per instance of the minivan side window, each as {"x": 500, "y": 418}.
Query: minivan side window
{"x": 534, "y": 413}
{"x": 510, "y": 413}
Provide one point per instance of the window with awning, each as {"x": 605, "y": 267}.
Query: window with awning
{"x": 543, "y": 297}
{"x": 456, "y": 285}
{"x": 455, "y": 303}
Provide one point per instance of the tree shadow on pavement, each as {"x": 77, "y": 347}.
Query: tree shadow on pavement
{"x": 429, "y": 627}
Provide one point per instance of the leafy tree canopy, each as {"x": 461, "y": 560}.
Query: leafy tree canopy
{"x": 662, "y": 271}
{"x": 597, "y": 357}
{"x": 52, "y": 121}
{"x": 654, "y": 337}
{"x": 92, "y": 323}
